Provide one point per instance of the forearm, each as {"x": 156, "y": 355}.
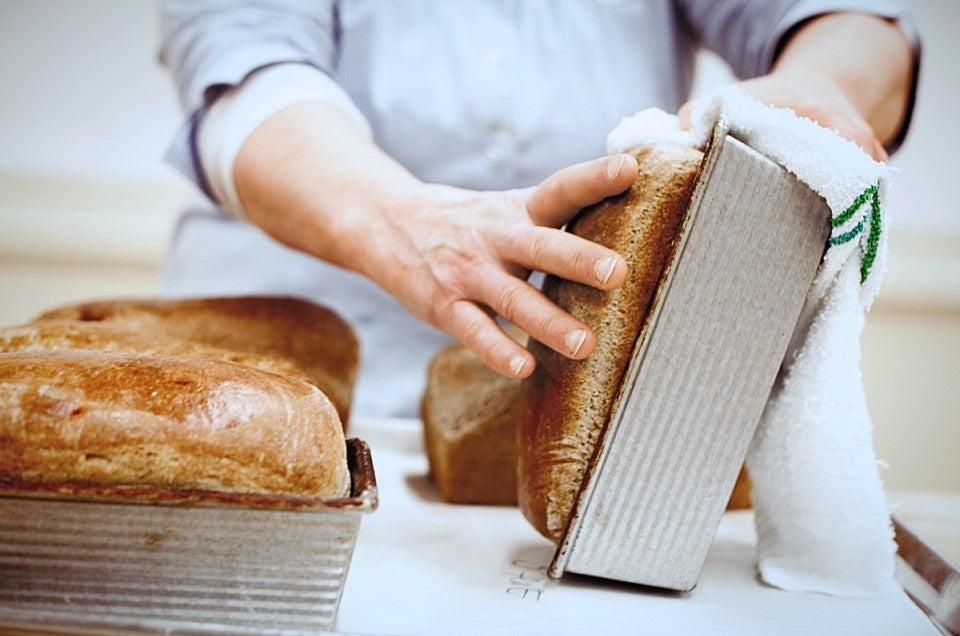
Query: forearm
{"x": 308, "y": 175}
{"x": 868, "y": 58}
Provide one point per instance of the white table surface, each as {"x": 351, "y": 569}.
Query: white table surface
{"x": 425, "y": 567}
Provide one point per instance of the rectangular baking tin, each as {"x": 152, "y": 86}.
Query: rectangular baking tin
{"x": 179, "y": 562}
{"x": 701, "y": 372}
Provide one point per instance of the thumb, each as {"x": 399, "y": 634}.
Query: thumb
{"x": 564, "y": 193}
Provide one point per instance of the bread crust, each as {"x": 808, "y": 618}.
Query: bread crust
{"x": 308, "y": 336}
{"x": 170, "y": 421}
{"x": 120, "y": 337}
{"x": 469, "y": 428}
{"x": 565, "y": 404}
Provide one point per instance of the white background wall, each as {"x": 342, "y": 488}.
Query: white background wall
{"x": 86, "y": 203}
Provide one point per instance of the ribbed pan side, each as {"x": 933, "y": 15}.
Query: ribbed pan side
{"x": 172, "y": 568}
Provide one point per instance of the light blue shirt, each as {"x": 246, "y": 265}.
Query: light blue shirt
{"x": 484, "y": 94}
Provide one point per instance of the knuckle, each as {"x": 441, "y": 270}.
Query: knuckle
{"x": 480, "y": 335}
{"x": 490, "y": 352}
{"x": 439, "y": 312}
{"x": 581, "y": 266}
{"x": 539, "y": 248}
{"x": 553, "y": 327}
{"x": 472, "y": 330}
{"x": 510, "y": 303}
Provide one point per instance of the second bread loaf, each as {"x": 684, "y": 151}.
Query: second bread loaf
{"x": 312, "y": 337}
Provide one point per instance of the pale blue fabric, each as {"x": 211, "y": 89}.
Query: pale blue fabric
{"x": 485, "y": 94}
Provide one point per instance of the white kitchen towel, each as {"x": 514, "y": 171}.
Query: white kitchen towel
{"x": 823, "y": 523}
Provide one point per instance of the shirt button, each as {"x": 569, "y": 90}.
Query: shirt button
{"x": 504, "y": 141}
{"x": 494, "y": 155}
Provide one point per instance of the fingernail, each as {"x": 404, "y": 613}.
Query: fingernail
{"x": 516, "y": 365}
{"x": 604, "y": 268}
{"x": 574, "y": 341}
{"x": 614, "y": 167}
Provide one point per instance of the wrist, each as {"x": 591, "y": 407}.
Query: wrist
{"x": 373, "y": 223}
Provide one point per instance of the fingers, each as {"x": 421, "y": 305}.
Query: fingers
{"x": 816, "y": 98}
{"x": 464, "y": 259}
{"x": 879, "y": 153}
{"x": 524, "y": 306}
{"x": 849, "y": 125}
{"x": 854, "y": 129}
{"x": 563, "y": 254}
{"x": 561, "y": 195}
{"x": 869, "y": 144}
{"x": 472, "y": 326}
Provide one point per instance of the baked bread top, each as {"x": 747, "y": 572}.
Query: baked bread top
{"x": 309, "y": 336}
{"x": 123, "y": 337}
{"x": 565, "y": 404}
{"x": 167, "y": 421}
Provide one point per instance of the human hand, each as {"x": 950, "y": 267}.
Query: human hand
{"x": 850, "y": 72}
{"x": 456, "y": 258}
{"x": 811, "y": 95}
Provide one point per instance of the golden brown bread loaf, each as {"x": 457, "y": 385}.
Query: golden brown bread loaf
{"x": 565, "y": 404}
{"x": 469, "y": 428}
{"x": 119, "y": 337}
{"x": 310, "y": 337}
{"x": 177, "y": 422}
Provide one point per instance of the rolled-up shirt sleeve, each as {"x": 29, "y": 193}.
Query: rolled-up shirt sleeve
{"x": 211, "y": 45}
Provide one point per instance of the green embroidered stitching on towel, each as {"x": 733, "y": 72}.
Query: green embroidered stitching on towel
{"x": 873, "y": 238}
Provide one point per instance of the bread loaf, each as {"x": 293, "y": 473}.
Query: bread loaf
{"x": 565, "y": 404}
{"x": 740, "y": 497}
{"x": 120, "y": 337}
{"x": 469, "y": 417}
{"x": 469, "y": 429}
{"x": 308, "y": 336}
{"x": 75, "y": 416}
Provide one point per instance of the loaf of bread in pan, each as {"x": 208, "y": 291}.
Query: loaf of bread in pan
{"x": 565, "y": 404}
{"x": 469, "y": 428}
{"x": 75, "y": 416}
{"x": 308, "y": 336}
{"x": 120, "y": 337}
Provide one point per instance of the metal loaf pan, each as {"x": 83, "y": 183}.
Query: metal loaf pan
{"x": 75, "y": 559}
{"x": 701, "y": 373}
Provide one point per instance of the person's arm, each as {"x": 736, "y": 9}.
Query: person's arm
{"x": 212, "y": 47}
{"x": 312, "y": 179}
{"x": 868, "y": 58}
{"x": 310, "y": 176}
{"x": 847, "y": 71}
